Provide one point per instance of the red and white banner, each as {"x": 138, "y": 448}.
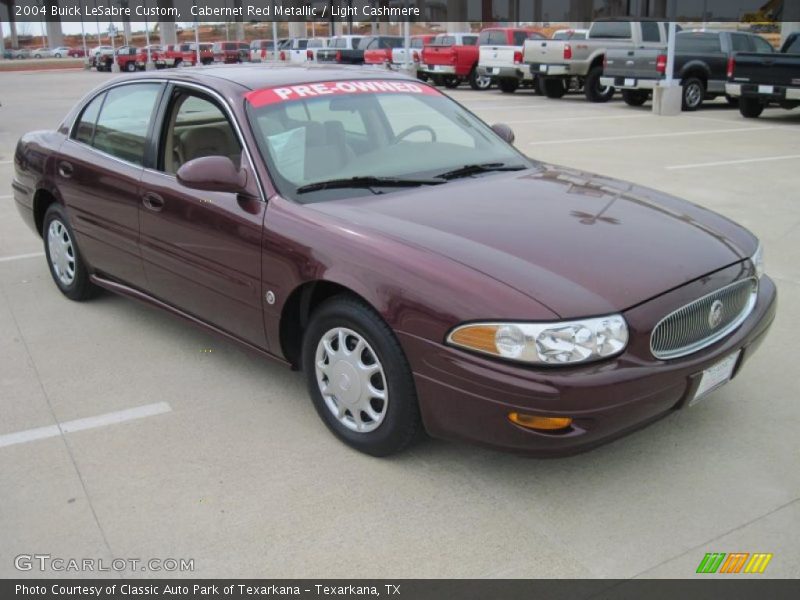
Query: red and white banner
{"x": 341, "y": 88}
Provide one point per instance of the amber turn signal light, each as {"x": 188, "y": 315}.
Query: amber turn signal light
{"x": 540, "y": 423}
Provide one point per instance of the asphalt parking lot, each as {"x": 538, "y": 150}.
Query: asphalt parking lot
{"x": 221, "y": 458}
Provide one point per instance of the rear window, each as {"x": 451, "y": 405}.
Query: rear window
{"x": 699, "y": 43}
{"x": 469, "y": 40}
{"x": 650, "y": 31}
{"x": 615, "y": 30}
{"x": 417, "y": 43}
{"x": 741, "y": 42}
{"x": 762, "y": 45}
{"x": 392, "y": 42}
{"x": 444, "y": 40}
{"x": 794, "y": 47}
{"x": 492, "y": 37}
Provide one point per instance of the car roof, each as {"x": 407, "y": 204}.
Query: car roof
{"x": 258, "y": 76}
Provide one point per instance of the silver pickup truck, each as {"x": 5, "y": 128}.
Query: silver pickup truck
{"x": 579, "y": 63}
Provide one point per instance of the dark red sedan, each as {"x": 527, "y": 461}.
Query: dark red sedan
{"x": 423, "y": 273}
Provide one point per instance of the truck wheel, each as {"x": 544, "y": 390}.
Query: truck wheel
{"x": 635, "y": 97}
{"x": 593, "y": 90}
{"x": 479, "y": 82}
{"x": 436, "y": 79}
{"x": 451, "y": 81}
{"x": 537, "y": 86}
{"x": 178, "y": 62}
{"x": 694, "y": 91}
{"x": 130, "y": 67}
{"x": 554, "y": 87}
{"x": 359, "y": 379}
{"x": 422, "y": 76}
{"x": 508, "y": 85}
{"x": 750, "y": 108}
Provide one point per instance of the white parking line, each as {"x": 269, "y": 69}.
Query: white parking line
{"x": 6, "y": 162}
{"x": 741, "y": 161}
{"x": 21, "y": 256}
{"x": 649, "y": 135}
{"x": 604, "y": 117}
{"x": 112, "y": 418}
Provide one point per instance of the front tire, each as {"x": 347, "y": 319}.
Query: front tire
{"x": 359, "y": 379}
{"x": 750, "y": 108}
{"x": 63, "y": 257}
{"x": 508, "y": 85}
{"x": 592, "y": 88}
{"x": 635, "y": 97}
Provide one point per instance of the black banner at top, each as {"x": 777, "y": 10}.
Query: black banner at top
{"x": 534, "y": 11}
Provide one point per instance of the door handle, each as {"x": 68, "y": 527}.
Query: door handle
{"x": 65, "y": 169}
{"x": 153, "y": 201}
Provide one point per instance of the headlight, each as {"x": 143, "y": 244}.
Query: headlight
{"x": 758, "y": 260}
{"x": 553, "y": 343}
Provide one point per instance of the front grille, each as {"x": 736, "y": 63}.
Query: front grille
{"x": 692, "y": 327}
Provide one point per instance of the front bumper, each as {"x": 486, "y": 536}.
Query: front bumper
{"x": 772, "y": 93}
{"x": 549, "y": 70}
{"x": 629, "y": 83}
{"x": 507, "y": 72}
{"x": 464, "y": 396}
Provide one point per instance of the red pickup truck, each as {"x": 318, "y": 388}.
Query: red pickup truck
{"x": 452, "y": 58}
{"x": 176, "y": 54}
{"x": 231, "y": 52}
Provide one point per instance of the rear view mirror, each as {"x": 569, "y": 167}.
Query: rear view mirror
{"x": 504, "y": 131}
{"x": 212, "y": 174}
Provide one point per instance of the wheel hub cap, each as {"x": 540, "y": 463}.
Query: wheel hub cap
{"x": 61, "y": 251}
{"x": 351, "y": 380}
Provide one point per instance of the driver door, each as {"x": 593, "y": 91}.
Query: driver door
{"x": 202, "y": 250}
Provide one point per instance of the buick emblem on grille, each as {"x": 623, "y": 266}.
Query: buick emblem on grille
{"x": 715, "y": 314}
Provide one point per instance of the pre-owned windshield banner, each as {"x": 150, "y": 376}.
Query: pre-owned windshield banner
{"x": 360, "y": 11}
{"x": 274, "y": 95}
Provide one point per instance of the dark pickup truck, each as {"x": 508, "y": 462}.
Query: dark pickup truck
{"x": 701, "y": 65}
{"x": 344, "y": 50}
{"x": 761, "y": 79}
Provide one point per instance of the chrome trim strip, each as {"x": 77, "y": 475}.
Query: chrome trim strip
{"x": 705, "y": 342}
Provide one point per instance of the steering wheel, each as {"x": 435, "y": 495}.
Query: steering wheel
{"x": 414, "y": 129}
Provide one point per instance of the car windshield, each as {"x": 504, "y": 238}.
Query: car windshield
{"x": 398, "y": 130}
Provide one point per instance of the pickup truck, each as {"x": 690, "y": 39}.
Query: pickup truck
{"x": 294, "y": 50}
{"x": 378, "y": 49}
{"x": 761, "y": 79}
{"x": 127, "y": 58}
{"x": 343, "y": 49}
{"x": 261, "y": 50}
{"x": 102, "y": 57}
{"x": 231, "y": 52}
{"x": 206, "y": 52}
{"x": 314, "y": 46}
{"x": 562, "y": 64}
{"x": 701, "y": 66}
{"x": 451, "y": 58}
{"x": 417, "y": 43}
{"x": 500, "y": 57}
{"x": 177, "y": 54}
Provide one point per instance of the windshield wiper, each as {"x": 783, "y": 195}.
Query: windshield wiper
{"x": 367, "y": 181}
{"x": 468, "y": 170}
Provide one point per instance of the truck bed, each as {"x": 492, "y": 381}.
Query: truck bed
{"x": 772, "y": 69}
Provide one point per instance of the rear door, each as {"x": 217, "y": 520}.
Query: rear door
{"x": 98, "y": 172}
{"x": 202, "y": 250}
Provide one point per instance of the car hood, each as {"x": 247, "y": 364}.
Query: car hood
{"x": 577, "y": 243}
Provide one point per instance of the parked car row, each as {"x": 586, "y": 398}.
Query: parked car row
{"x": 43, "y": 52}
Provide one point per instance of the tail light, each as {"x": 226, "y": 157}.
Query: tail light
{"x": 517, "y": 57}
{"x": 567, "y": 52}
{"x": 283, "y": 55}
{"x": 731, "y": 67}
{"x": 338, "y": 56}
{"x": 415, "y": 56}
{"x": 309, "y": 55}
{"x": 661, "y": 63}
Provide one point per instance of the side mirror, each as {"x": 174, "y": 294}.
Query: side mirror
{"x": 212, "y": 174}
{"x": 504, "y": 131}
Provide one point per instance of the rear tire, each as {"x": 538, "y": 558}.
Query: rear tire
{"x": 694, "y": 92}
{"x": 346, "y": 396}
{"x": 750, "y": 108}
{"x": 635, "y": 97}
{"x": 537, "y": 86}
{"x": 63, "y": 257}
{"x": 554, "y": 87}
{"x": 592, "y": 88}
{"x": 479, "y": 82}
{"x": 451, "y": 81}
{"x": 508, "y": 85}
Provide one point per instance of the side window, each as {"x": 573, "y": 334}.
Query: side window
{"x": 650, "y": 32}
{"x": 197, "y": 127}
{"x": 84, "y": 130}
{"x": 794, "y": 47}
{"x": 396, "y": 109}
{"x": 763, "y": 45}
{"x": 740, "y": 43}
{"x": 122, "y": 125}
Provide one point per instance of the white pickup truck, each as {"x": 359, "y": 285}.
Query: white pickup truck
{"x": 500, "y": 57}
{"x": 579, "y": 63}
{"x": 301, "y": 50}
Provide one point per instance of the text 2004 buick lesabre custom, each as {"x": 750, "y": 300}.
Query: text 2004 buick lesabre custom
{"x": 422, "y": 272}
